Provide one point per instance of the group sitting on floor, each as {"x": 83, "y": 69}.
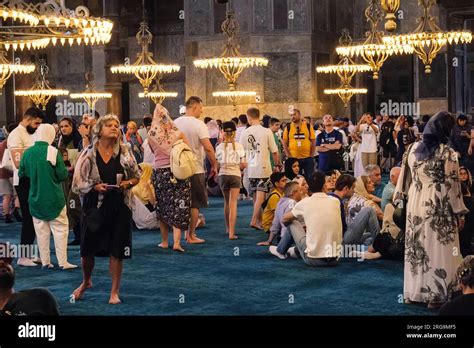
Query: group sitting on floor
{"x": 307, "y": 208}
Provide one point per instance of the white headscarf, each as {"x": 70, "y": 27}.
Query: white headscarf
{"x": 47, "y": 133}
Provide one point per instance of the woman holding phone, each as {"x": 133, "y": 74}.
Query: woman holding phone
{"x": 104, "y": 176}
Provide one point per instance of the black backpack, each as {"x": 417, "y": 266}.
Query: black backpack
{"x": 288, "y": 128}
{"x": 265, "y": 202}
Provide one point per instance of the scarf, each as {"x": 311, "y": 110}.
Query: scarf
{"x": 47, "y": 134}
{"x": 436, "y": 132}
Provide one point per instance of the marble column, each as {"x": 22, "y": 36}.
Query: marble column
{"x": 113, "y": 56}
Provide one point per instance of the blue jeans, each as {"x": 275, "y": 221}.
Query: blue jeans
{"x": 286, "y": 241}
{"x": 299, "y": 236}
{"x": 363, "y": 229}
{"x": 307, "y": 167}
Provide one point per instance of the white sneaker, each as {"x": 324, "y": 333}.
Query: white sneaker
{"x": 68, "y": 266}
{"x": 25, "y": 262}
{"x": 292, "y": 252}
{"x": 273, "y": 250}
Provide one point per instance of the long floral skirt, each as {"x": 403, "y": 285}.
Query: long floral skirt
{"x": 173, "y": 199}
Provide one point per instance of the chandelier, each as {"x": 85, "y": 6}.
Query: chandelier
{"x": 90, "y": 96}
{"x": 37, "y": 25}
{"x": 390, "y": 7}
{"x": 158, "y": 94}
{"x": 145, "y": 67}
{"x": 346, "y": 68}
{"x": 234, "y": 96}
{"x": 231, "y": 62}
{"x": 41, "y": 93}
{"x": 7, "y": 68}
{"x": 374, "y": 50}
{"x": 346, "y": 92}
{"x": 428, "y": 38}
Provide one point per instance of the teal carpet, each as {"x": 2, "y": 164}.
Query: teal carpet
{"x": 223, "y": 277}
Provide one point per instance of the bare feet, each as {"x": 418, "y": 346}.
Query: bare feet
{"x": 264, "y": 244}
{"x": 114, "y": 299}
{"x": 195, "y": 240}
{"x": 233, "y": 237}
{"x": 163, "y": 245}
{"x": 79, "y": 292}
{"x": 178, "y": 248}
{"x": 260, "y": 228}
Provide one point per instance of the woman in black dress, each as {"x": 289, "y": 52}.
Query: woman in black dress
{"x": 104, "y": 174}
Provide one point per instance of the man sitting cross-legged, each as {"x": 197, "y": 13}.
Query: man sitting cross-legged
{"x": 319, "y": 245}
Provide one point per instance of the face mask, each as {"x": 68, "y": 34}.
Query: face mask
{"x": 31, "y": 130}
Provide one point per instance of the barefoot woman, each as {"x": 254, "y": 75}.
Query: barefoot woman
{"x": 106, "y": 214}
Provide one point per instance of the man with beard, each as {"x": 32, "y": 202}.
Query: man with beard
{"x": 19, "y": 140}
{"x": 31, "y": 302}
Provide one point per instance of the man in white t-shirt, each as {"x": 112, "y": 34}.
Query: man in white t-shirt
{"x": 259, "y": 143}
{"x": 20, "y": 139}
{"x": 197, "y": 136}
{"x": 243, "y": 124}
{"x": 368, "y": 131}
{"x": 320, "y": 244}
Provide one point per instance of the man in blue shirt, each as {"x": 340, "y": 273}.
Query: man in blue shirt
{"x": 328, "y": 142}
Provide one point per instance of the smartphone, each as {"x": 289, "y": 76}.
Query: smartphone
{"x": 112, "y": 187}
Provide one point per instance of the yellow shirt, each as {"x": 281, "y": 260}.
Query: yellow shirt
{"x": 299, "y": 144}
{"x": 269, "y": 211}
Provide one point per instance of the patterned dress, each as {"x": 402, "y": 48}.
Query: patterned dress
{"x": 432, "y": 252}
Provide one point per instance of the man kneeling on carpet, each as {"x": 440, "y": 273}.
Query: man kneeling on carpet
{"x": 319, "y": 245}
{"x": 43, "y": 165}
{"x": 27, "y": 302}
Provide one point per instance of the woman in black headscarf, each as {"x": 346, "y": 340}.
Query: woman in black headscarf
{"x": 435, "y": 214}
{"x": 69, "y": 138}
{"x": 69, "y": 142}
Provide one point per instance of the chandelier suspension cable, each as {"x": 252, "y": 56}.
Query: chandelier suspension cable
{"x": 231, "y": 63}
{"x": 145, "y": 68}
{"x": 41, "y": 92}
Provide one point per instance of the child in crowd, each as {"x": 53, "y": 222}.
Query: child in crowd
{"x": 231, "y": 158}
{"x": 278, "y": 181}
{"x": 285, "y": 247}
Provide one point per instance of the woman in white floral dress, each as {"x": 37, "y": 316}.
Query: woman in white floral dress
{"x": 435, "y": 213}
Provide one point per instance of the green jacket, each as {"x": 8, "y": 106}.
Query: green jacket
{"x": 46, "y": 197}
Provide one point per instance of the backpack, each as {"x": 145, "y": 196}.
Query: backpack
{"x": 265, "y": 202}
{"x": 182, "y": 161}
{"x": 288, "y": 128}
{"x": 6, "y": 161}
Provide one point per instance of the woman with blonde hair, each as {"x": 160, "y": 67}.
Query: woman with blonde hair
{"x": 104, "y": 175}
{"x": 173, "y": 195}
{"x": 144, "y": 200}
{"x": 231, "y": 158}
{"x": 363, "y": 214}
